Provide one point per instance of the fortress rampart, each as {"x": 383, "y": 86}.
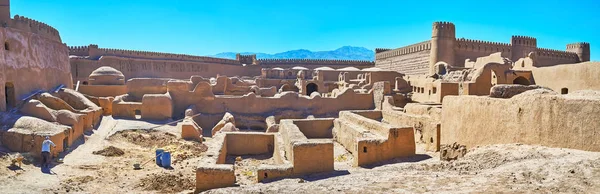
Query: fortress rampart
{"x": 136, "y": 64}
{"x": 411, "y": 59}
{"x": 93, "y": 52}
{"x": 313, "y": 63}
{"x": 26, "y": 24}
{"x": 444, "y": 46}
{"x": 33, "y": 26}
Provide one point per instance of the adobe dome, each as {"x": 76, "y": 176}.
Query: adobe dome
{"x": 324, "y": 68}
{"x": 106, "y": 70}
{"x": 299, "y": 68}
{"x": 349, "y": 69}
{"x": 106, "y": 75}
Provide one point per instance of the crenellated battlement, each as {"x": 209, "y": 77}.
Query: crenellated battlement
{"x": 464, "y": 40}
{"x": 79, "y": 50}
{"x": 480, "y": 45}
{"x": 94, "y": 52}
{"x": 246, "y": 59}
{"x": 425, "y": 45}
{"x": 444, "y": 46}
{"x": 316, "y": 61}
{"x": 524, "y": 41}
{"x": 552, "y": 53}
{"x": 379, "y": 50}
{"x": 578, "y": 45}
{"x": 443, "y": 29}
{"x": 33, "y": 26}
{"x": 443, "y": 24}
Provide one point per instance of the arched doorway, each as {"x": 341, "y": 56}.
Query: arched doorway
{"x": 521, "y": 80}
{"x": 310, "y": 88}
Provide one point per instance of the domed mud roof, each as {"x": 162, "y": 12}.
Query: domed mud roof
{"x": 349, "y": 69}
{"x": 324, "y": 68}
{"x": 299, "y": 68}
{"x": 106, "y": 70}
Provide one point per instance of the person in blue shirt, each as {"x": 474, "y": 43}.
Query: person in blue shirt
{"x": 46, "y": 151}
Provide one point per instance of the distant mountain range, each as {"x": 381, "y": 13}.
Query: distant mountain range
{"x": 345, "y": 52}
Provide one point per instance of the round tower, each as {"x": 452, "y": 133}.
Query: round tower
{"x": 443, "y": 38}
{"x": 522, "y": 46}
{"x": 582, "y": 49}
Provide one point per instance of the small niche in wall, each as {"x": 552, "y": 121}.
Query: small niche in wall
{"x": 9, "y": 95}
{"x": 564, "y": 91}
{"x": 6, "y": 46}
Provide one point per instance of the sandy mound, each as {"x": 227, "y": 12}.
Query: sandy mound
{"x": 145, "y": 138}
{"x": 75, "y": 184}
{"x": 109, "y": 151}
{"x": 168, "y": 183}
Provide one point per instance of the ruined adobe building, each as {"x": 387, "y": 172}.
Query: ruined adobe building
{"x": 443, "y": 46}
{"x": 437, "y": 92}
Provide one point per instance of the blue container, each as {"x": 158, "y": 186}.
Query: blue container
{"x": 158, "y": 155}
{"x": 166, "y": 159}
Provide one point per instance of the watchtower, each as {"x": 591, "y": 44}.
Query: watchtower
{"x": 443, "y": 38}
{"x": 582, "y": 49}
{"x": 246, "y": 59}
{"x": 522, "y": 46}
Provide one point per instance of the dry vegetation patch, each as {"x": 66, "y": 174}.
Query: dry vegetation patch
{"x": 167, "y": 183}
{"x": 180, "y": 149}
{"x": 109, "y": 151}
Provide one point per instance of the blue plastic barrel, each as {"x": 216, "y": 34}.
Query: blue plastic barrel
{"x": 158, "y": 156}
{"x": 166, "y": 159}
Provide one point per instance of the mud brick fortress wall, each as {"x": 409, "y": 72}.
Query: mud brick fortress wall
{"x": 33, "y": 58}
{"x": 314, "y": 63}
{"x": 138, "y": 64}
{"x": 444, "y": 46}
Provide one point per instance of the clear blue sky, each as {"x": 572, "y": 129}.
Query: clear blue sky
{"x": 202, "y": 27}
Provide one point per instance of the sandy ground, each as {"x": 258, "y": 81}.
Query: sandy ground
{"x": 85, "y": 172}
{"x": 498, "y": 168}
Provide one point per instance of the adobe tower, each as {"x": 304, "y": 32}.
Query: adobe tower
{"x": 522, "y": 46}
{"x": 582, "y": 49}
{"x": 443, "y": 38}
